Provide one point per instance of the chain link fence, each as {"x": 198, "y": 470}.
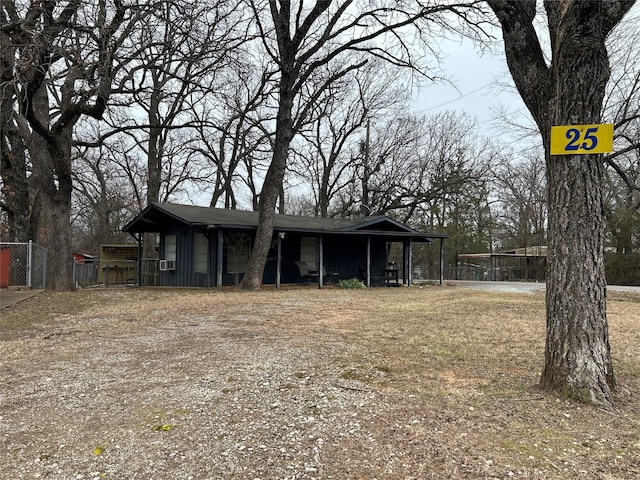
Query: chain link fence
{"x": 23, "y": 265}
{"x": 620, "y": 270}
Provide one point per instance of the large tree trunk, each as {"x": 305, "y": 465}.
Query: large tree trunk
{"x": 13, "y": 160}
{"x": 53, "y": 204}
{"x": 577, "y": 354}
{"x": 59, "y": 245}
{"x": 154, "y": 167}
{"x": 273, "y": 182}
{"x": 569, "y": 91}
{"x": 13, "y": 168}
{"x": 52, "y": 184}
{"x": 270, "y": 193}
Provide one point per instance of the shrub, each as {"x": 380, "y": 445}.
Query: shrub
{"x": 351, "y": 283}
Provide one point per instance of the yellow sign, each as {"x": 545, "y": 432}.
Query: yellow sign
{"x": 582, "y": 139}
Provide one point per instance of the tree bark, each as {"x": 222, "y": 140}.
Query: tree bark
{"x": 570, "y": 90}
{"x": 577, "y": 352}
{"x": 53, "y": 188}
{"x": 39, "y": 41}
{"x": 13, "y": 159}
{"x": 13, "y": 169}
{"x": 302, "y": 43}
{"x": 287, "y": 51}
{"x": 154, "y": 161}
{"x": 271, "y": 188}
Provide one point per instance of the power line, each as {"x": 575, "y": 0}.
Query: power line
{"x": 490, "y": 84}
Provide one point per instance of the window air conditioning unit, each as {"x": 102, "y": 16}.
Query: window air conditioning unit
{"x": 167, "y": 265}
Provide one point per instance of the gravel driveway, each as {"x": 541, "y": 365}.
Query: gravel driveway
{"x": 300, "y": 384}
{"x": 525, "y": 287}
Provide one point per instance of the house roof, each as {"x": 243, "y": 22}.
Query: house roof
{"x": 156, "y": 215}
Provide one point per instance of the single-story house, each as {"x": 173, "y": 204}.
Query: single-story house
{"x": 209, "y": 247}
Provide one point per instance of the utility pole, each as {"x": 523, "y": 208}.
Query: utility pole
{"x": 364, "y": 151}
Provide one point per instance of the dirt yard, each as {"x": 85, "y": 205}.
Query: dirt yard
{"x": 403, "y": 383}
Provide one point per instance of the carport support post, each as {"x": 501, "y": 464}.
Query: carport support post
{"x": 410, "y": 262}
{"x": 320, "y": 260}
{"x": 407, "y": 266}
{"x": 279, "y": 259}
{"x": 441, "y": 261}
{"x": 139, "y": 239}
{"x": 368, "y": 261}
{"x": 492, "y": 268}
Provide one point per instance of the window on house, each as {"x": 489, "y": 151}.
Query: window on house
{"x": 170, "y": 247}
{"x": 238, "y": 249}
{"x": 200, "y": 253}
{"x": 309, "y": 250}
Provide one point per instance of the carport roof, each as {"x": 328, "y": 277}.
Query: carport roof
{"x": 154, "y": 217}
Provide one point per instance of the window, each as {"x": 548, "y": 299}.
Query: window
{"x": 170, "y": 247}
{"x": 309, "y": 250}
{"x": 238, "y": 249}
{"x": 200, "y": 253}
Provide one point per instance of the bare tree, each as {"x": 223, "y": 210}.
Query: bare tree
{"x": 14, "y": 195}
{"x": 305, "y": 40}
{"x": 416, "y": 161}
{"x": 102, "y": 200}
{"x": 177, "y": 54}
{"x": 233, "y": 132}
{"x": 63, "y": 60}
{"x": 521, "y": 209}
{"x": 622, "y": 104}
{"x": 14, "y": 165}
{"x": 569, "y": 89}
{"x": 328, "y": 149}
{"x": 622, "y": 206}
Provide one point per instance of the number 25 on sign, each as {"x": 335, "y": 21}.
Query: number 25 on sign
{"x": 582, "y": 139}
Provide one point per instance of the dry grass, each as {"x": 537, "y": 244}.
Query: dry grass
{"x": 302, "y": 383}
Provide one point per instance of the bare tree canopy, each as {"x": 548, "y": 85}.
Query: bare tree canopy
{"x": 327, "y": 39}
{"x": 61, "y": 56}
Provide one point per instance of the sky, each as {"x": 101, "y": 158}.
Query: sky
{"x": 481, "y": 86}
